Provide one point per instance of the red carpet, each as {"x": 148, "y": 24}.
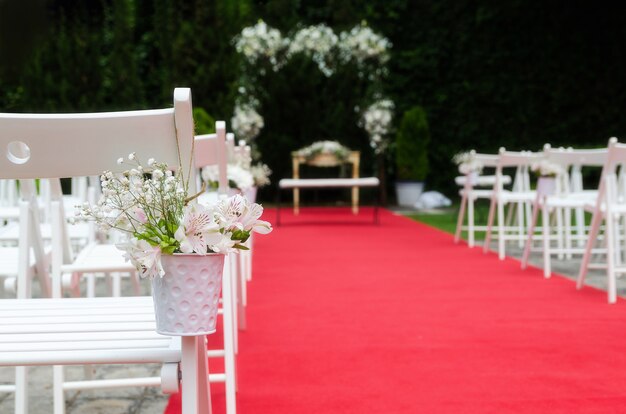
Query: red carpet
{"x": 396, "y": 318}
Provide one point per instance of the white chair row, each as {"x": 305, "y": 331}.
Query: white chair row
{"x": 561, "y": 208}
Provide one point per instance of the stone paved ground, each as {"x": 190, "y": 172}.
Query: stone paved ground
{"x": 150, "y": 400}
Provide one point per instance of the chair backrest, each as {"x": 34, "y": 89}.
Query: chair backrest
{"x": 521, "y": 161}
{"x": 486, "y": 160}
{"x": 242, "y": 154}
{"x": 573, "y": 161}
{"x": 567, "y": 157}
{"x": 230, "y": 147}
{"x": 210, "y": 149}
{"x": 608, "y": 190}
{"x": 76, "y": 145}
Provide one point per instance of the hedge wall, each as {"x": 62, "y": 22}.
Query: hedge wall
{"x": 488, "y": 74}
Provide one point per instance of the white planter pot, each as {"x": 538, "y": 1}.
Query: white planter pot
{"x": 408, "y": 192}
{"x": 473, "y": 178}
{"x": 186, "y": 298}
{"x": 250, "y": 194}
{"x": 546, "y": 186}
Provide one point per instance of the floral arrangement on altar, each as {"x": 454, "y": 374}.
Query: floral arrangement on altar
{"x": 545, "y": 168}
{"x": 377, "y": 122}
{"x": 467, "y": 162}
{"x": 151, "y": 205}
{"x": 325, "y": 147}
{"x": 246, "y": 122}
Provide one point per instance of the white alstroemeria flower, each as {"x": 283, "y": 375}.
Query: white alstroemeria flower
{"x": 236, "y": 213}
{"x": 198, "y": 230}
{"x": 225, "y": 245}
{"x": 145, "y": 257}
{"x": 249, "y": 220}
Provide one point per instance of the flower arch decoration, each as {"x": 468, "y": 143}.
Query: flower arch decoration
{"x": 368, "y": 50}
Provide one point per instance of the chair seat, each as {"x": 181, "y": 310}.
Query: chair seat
{"x": 99, "y": 258}
{"x": 511, "y": 196}
{"x": 9, "y": 261}
{"x": 81, "y": 330}
{"x": 476, "y": 193}
{"x": 482, "y": 180}
{"x": 573, "y": 201}
{"x": 328, "y": 182}
{"x": 80, "y": 231}
{"x": 590, "y": 206}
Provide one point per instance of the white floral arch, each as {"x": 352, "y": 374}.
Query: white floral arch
{"x": 360, "y": 45}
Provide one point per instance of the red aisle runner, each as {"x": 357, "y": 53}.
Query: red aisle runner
{"x": 396, "y": 318}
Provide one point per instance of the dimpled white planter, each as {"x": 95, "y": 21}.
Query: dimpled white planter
{"x": 250, "y": 194}
{"x": 186, "y": 298}
{"x": 546, "y": 186}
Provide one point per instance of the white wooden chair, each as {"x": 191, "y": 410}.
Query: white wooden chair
{"x": 211, "y": 149}
{"x": 473, "y": 190}
{"x": 63, "y": 331}
{"x": 242, "y": 154}
{"x": 27, "y": 257}
{"x": 569, "y": 197}
{"x": 610, "y": 208}
{"x": 520, "y": 195}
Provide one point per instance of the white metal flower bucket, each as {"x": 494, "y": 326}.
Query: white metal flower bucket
{"x": 186, "y": 298}
{"x": 546, "y": 186}
{"x": 250, "y": 194}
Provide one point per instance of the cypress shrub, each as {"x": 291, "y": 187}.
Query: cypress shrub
{"x": 412, "y": 140}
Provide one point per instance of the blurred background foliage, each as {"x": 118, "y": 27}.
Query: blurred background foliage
{"x": 488, "y": 74}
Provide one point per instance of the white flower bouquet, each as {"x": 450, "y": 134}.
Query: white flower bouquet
{"x": 361, "y": 43}
{"x": 246, "y": 122}
{"x": 317, "y": 42}
{"x": 151, "y": 206}
{"x": 238, "y": 177}
{"x": 545, "y": 168}
{"x": 467, "y": 162}
{"x": 377, "y": 122}
{"x": 261, "y": 42}
{"x": 325, "y": 147}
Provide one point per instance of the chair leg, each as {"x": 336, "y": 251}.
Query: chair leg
{"x": 591, "y": 239}
{"x": 492, "y": 209}
{"x": 459, "y": 220}
{"x": 545, "y": 219}
{"x": 241, "y": 296}
{"x": 229, "y": 345}
{"x": 21, "y": 390}
{"x": 134, "y": 277}
{"x": 610, "y": 259}
{"x": 58, "y": 378}
{"x": 559, "y": 232}
{"x": 116, "y": 284}
{"x": 196, "y": 396}
{"x": 501, "y": 232}
{"x": 529, "y": 237}
{"x": 580, "y": 227}
{"x": 520, "y": 224}
{"x": 568, "y": 233}
{"x": 91, "y": 285}
{"x": 470, "y": 223}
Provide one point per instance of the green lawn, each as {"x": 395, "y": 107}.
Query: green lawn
{"x": 445, "y": 219}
